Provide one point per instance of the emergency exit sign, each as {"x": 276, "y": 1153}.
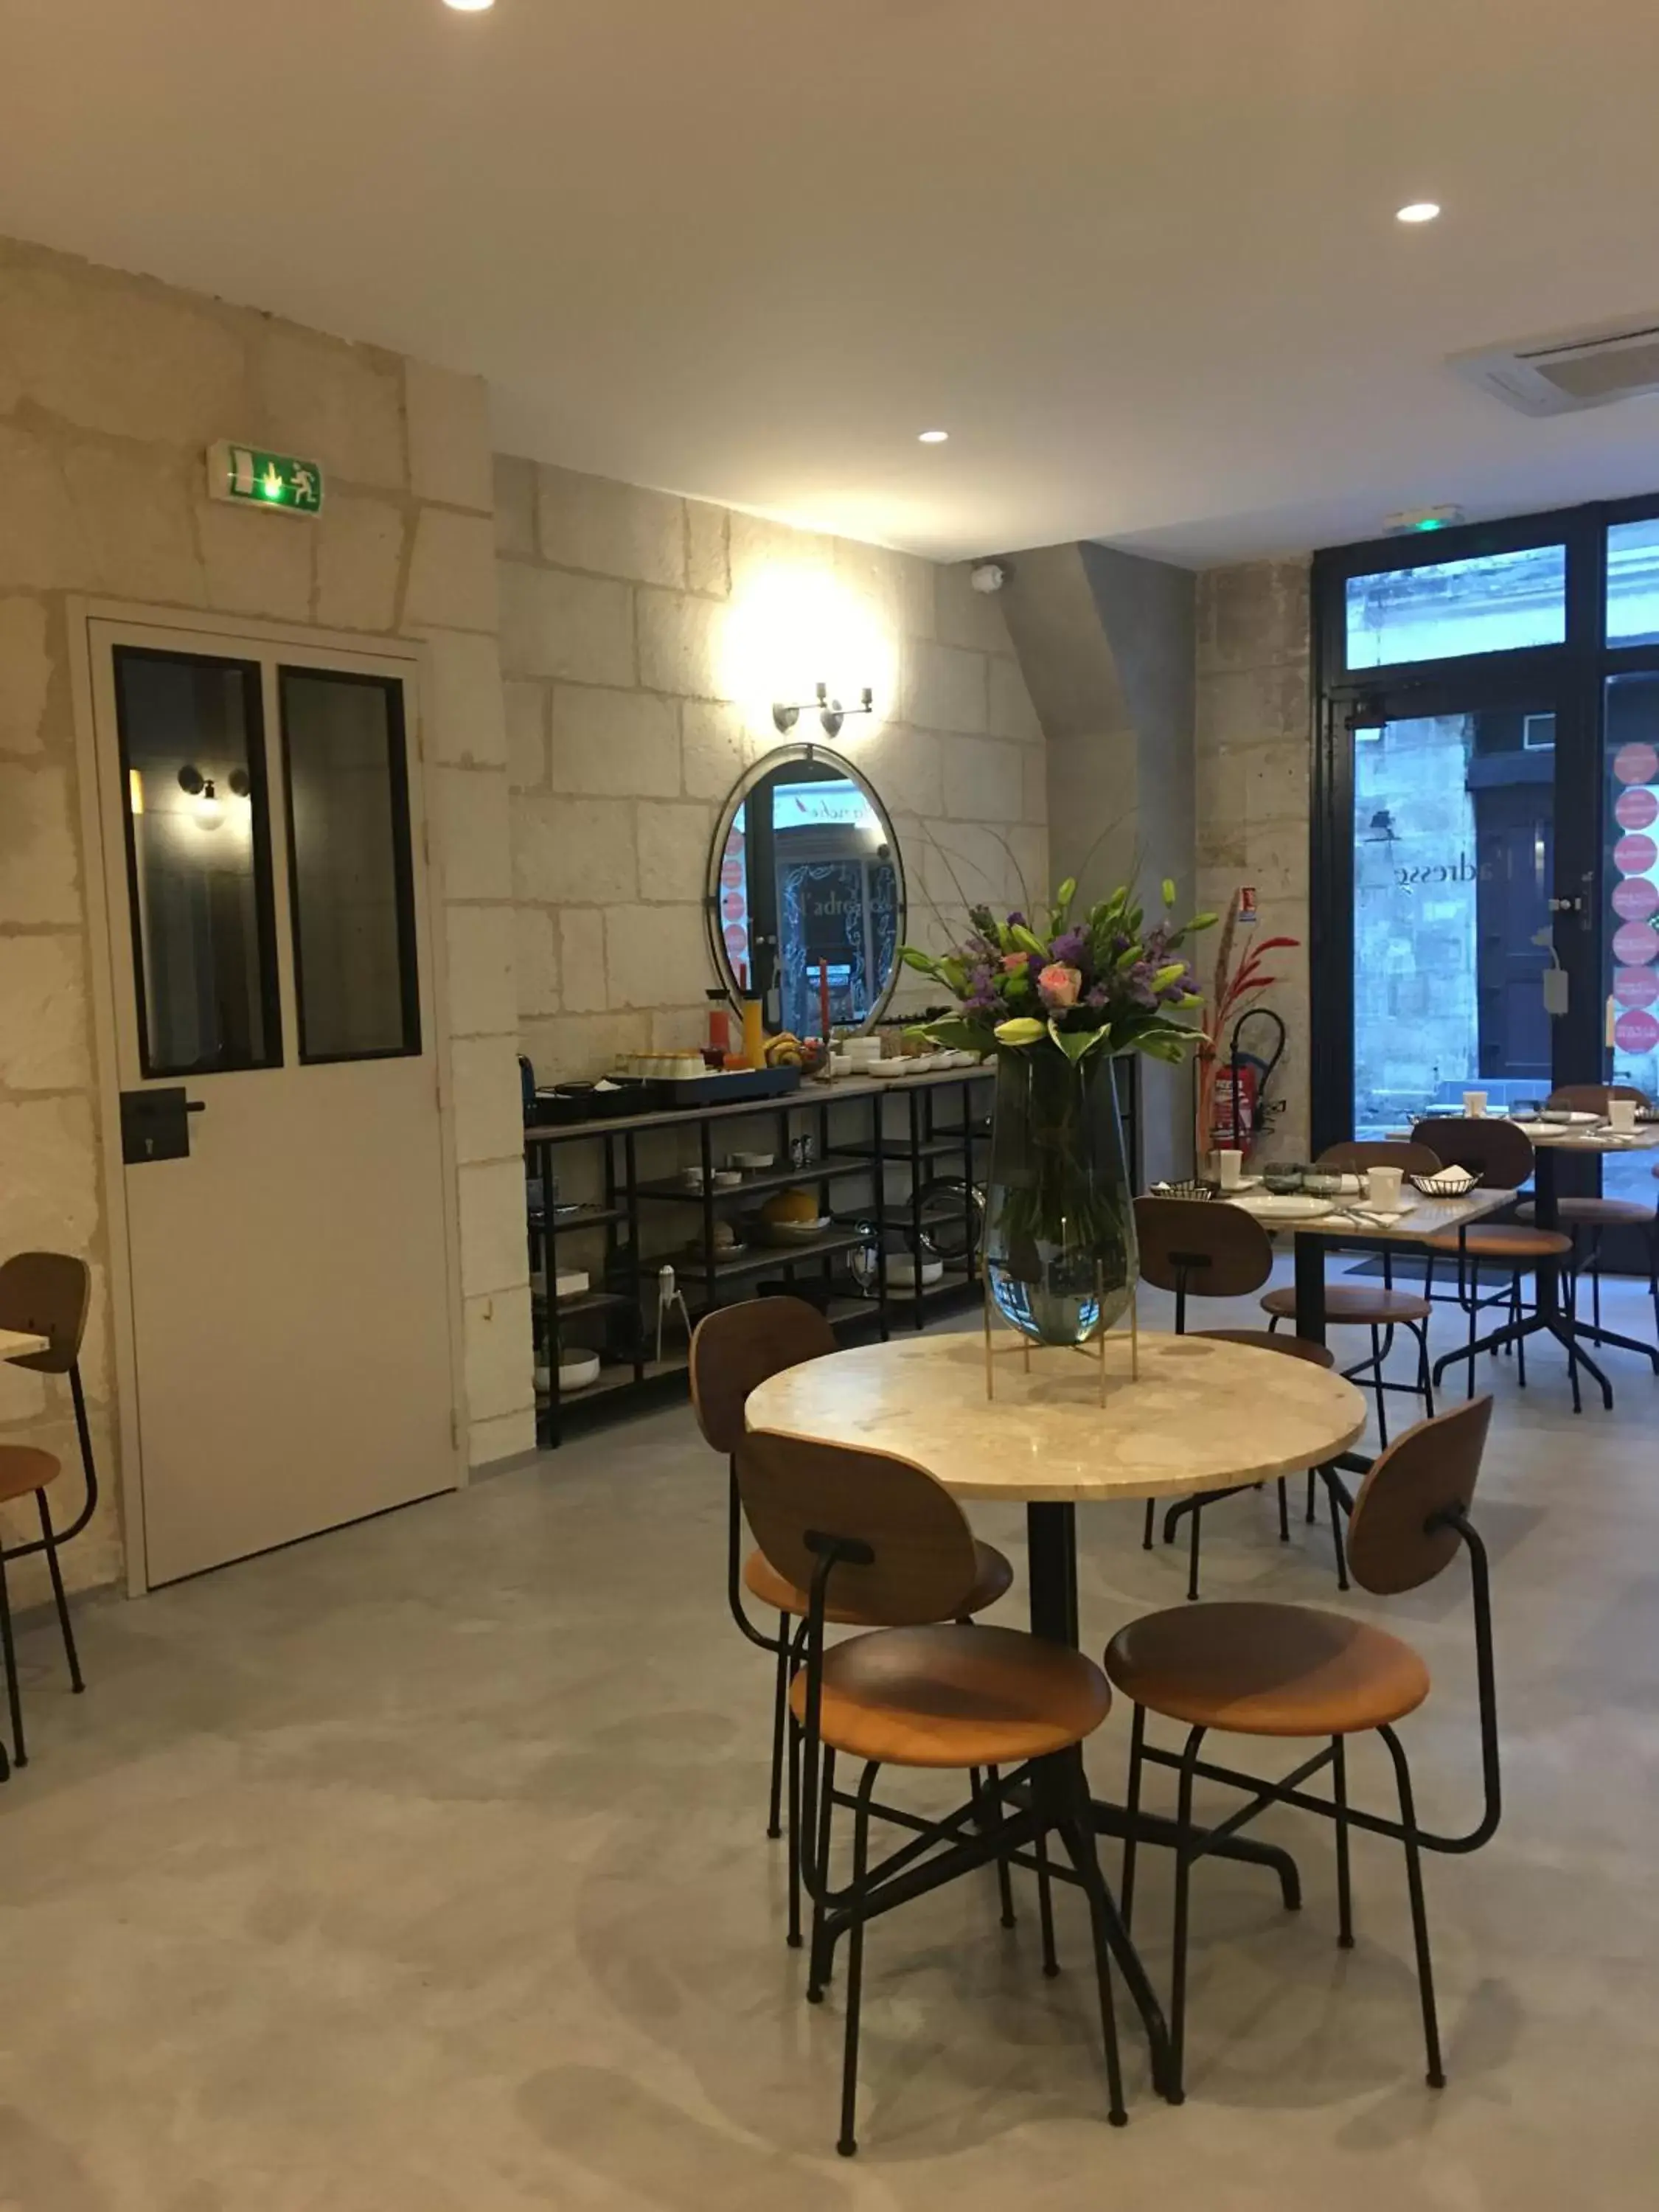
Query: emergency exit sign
{"x": 247, "y": 478}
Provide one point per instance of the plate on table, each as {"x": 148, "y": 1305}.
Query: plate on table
{"x": 1285, "y": 1205}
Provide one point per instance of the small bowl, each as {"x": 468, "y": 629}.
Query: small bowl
{"x": 1283, "y": 1181}
{"x": 1446, "y": 1182}
{"x": 750, "y": 1162}
{"x": 1188, "y": 1189}
{"x": 1320, "y": 1182}
{"x": 725, "y": 1178}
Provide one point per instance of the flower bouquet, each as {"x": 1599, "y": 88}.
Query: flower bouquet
{"x": 1057, "y": 1005}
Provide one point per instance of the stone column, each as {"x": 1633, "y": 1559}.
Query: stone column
{"x": 1105, "y": 642}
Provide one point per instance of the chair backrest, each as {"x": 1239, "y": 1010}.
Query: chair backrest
{"x": 1496, "y": 1151}
{"x": 1355, "y": 1156}
{"x": 47, "y": 1294}
{"x": 735, "y": 1348}
{"x": 1394, "y": 1543}
{"x": 921, "y": 1563}
{"x": 1202, "y": 1247}
{"x": 1592, "y": 1097}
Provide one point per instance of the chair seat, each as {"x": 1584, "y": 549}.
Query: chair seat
{"x": 954, "y": 1697}
{"x": 1365, "y": 1304}
{"x": 23, "y": 1467}
{"x": 1598, "y": 1213}
{"x": 1282, "y": 1670}
{"x": 993, "y": 1579}
{"x": 1516, "y": 1245}
{"x": 1294, "y": 1347}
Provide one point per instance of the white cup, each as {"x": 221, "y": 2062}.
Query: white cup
{"x": 1228, "y": 1167}
{"x": 1621, "y": 1115}
{"x": 1383, "y": 1185}
{"x": 1475, "y": 1103}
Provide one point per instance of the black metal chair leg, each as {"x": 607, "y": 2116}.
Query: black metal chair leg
{"x": 1313, "y": 1495}
{"x": 1085, "y": 1858}
{"x": 1132, "y": 1810}
{"x": 1284, "y": 1512}
{"x": 1192, "y": 1553}
{"x": 1344, "y": 1886}
{"x": 56, "y": 1573}
{"x": 984, "y": 1817}
{"x": 20, "y": 1756}
{"x": 1474, "y": 1302}
{"x": 1177, "y": 2087}
{"x": 1595, "y": 1279}
{"x": 1520, "y": 1341}
{"x": 1336, "y": 1533}
{"x": 1046, "y": 1908}
{"x": 1436, "y": 2077}
{"x": 779, "y": 1716}
{"x": 847, "y": 2142}
{"x": 1151, "y": 1512}
{"x": 797, "y": 1819}
{"x": 1424, "y": 1372}
{"x": 821, "y": 1957}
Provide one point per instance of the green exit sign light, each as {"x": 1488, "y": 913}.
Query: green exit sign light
{"x": 247, "y": 478}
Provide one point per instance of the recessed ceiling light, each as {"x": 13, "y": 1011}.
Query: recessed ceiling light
{"x": 932, "y": 437}
{"x": 469, "y": 6}
{"x": 1417, "y": 211}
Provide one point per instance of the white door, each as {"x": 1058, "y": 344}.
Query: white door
{"x": 284, "y": 1170}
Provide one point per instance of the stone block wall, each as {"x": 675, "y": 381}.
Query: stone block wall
{"x": 643, "y": 638}
{"x": 111, "y": 389}
{"x": 1254, "y": 741}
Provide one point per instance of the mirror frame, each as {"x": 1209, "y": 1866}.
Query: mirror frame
{"x": 754, "y": 775}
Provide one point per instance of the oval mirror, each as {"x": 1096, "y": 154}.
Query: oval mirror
{"x": 806, "y": 892}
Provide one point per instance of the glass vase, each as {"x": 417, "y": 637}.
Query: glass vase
{"x": 1060, "y": 1230}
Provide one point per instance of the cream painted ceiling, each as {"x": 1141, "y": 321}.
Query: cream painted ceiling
{"x": 1140, "y": 260}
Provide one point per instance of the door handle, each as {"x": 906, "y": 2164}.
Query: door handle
{"x": 156, "y": 1126}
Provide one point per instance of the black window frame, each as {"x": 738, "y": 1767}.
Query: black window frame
{"x": 265, "y": 903}
{"x": 409, "y": 971}
{"x": 1571, "y": 678}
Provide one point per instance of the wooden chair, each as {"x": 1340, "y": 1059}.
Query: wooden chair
{"x": 1501, "y": 1156}
{"x": 1291, "y": 1672}
{"x": 868, "y": 1536}
{"x": 1195, "y": 1246}
{"x": 1586, "y": 1219}
{"x": 734, "y": 1350}
{"x": 1381, "y": 1308}
{"x": 44, "y": 1294}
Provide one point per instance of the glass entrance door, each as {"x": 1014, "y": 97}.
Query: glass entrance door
{"x": 1454, "y": 874}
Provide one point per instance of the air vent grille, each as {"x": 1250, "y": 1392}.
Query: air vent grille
{"x": 1575, "y": 370}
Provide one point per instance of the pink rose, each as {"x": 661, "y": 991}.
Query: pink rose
{"x": 1059, "y": 985}
{"x": 1012, "y": 963}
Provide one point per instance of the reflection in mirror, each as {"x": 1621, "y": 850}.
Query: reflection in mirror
{"x": 806, "y": 893}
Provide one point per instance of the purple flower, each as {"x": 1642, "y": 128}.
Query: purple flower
{"x": 1017, "y": 921}
{"x": 1099, "y": 996}
{"x": 1070, "y": 947}
{"x": 981, "y": 992}
{"x": 1139, "y": 983}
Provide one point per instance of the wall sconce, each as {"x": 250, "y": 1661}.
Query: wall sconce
{"x": 209, "y": 808}
{"x": 830, "y": 711}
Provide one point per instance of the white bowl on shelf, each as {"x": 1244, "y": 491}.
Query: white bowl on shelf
{"x": 580, "y": 1370}
{"x": 792, "y": 1232}
{"x": 752, "y": 1162}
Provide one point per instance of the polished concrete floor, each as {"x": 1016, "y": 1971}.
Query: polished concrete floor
{"x": 420, "y": 1869}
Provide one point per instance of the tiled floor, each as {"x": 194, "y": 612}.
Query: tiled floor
{"x": 420, "y": 1869}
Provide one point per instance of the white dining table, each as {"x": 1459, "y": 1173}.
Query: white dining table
{"x": 19, "y": 1343}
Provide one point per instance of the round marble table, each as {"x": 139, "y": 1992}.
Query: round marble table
{"x": 1203, "y": 1415}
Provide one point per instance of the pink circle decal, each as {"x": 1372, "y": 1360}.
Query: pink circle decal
{"x": 1635, "y": 808}
{"x": 1635, "y": 763}
{"x": 1634, "y": 856}
{"x": 1635, "y": 899}
{"x": 1635, "y": 987}
{"x": 736, "y": 945}
{"x": 732, "y": 906}
{"x": 1635, "y": 946}
{"x": 1636, "y": 1033}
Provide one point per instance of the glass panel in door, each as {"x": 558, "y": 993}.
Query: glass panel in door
{"x": 1453, "y": 860}
{"x": 349, "y": 870}
{"x": 198, "y": 862}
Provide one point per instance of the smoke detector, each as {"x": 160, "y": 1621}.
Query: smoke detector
{"x": 1576, "y": 369}
{"x": 987, "y": 576}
